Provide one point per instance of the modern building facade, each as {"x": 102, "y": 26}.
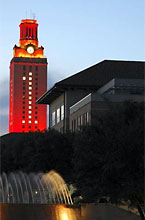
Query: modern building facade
{"x": 28, "y": 81}
{"x": 74, "y": 100}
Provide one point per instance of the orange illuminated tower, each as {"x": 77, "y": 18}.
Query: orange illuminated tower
{"x": 28, "y": 81}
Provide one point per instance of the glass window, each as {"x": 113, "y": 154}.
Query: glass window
{"x": 24, "y": 77}
{"x": 36, "y": 107}
{"x": 29, "y": 116}
{"x": 30, "y": 97}
{"x": 30, "y": 78}
{"x": 30, "y": 93}
{"x": 53, "y": 118}
{"x": 36, "y": 122}
{"x": 29, "y": 122}
{"x": 30, "y": 73}
{"x": 30, "y": 68}
{"x": 62, "y": 112}
{"x": 24, "y": 67}
{"x": 29, "y": 112}
{"x": 30, "y": 83}
{"x": 36, "y": 68}
{"x": 30, "y": 88}
{"x": 30, "y": 102}
{"x": 23, "y": 121}
{"x": 58, "y": 115}
{"x": 30, "y": 107}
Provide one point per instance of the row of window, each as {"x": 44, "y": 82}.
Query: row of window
{"x": 30, "y": 68}
{"x": 57, "y": 115}
{"x": 23, "y": 122}
{"x": 80, "y": 121}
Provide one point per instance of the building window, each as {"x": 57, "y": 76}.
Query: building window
{"x": 23, "y": 97}
{"x": 23, "y": 88}
{"x": 30, "y": 88}
{"x": 30, "y": 97}
{"x": 23, "y": 107}
{"x": 29, "y": 112}
{"x": 23, "y": 102}
{"x": 23, "y": 126}
{"x": 30, "y": 78}
{"x": 24, "y": 67}
{"x": 30, "y": 93}
{"x": 36, "y": 122}
{"x": 36, "y": 78}
{"x": 36, "y": 68}
{"x": 36, "y": 74}
{"x": 53, "y": 118}
{"x": 24, "y": 74}
{"x": 29, "y": 116}
{"x": 23, "y": 117}
{"x": 35, "y": 126}
{"x": 30, "y": 68}
{"x": 30, "y": 73}
{"x": 23, "y": 93}
{"x": 30, "y": 83}
{"x": 62, "y": 112}
{"x": 36, "y": 93}
{"x": 23, "y": 121}
{"x": 23, "y": 112}
{"x": 29, "y": 122}
{"x": 24, "y": 77}
{"x": 58, "y": 115}
{"x": 35, "y": 112}
{"x": 36, "y": 88}
{"x": 36, "y": 107}
{"x": 29, "y": 126}
{"x": 36, "y": 117}
{"x": 30, "y": 102}
{"x": 36, "y": 98}
{"x": 30, "y": 107}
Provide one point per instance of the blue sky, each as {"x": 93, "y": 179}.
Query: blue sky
{"x": 75, "y": 34}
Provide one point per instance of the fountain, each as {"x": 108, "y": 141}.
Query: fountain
{"x": 22, "y": 188}
{"x": 36, "y": 196}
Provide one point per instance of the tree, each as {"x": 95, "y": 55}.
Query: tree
{"x": 108, "y": 157}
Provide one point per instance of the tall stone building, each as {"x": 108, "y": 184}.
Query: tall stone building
{"x": 28, "y": 81}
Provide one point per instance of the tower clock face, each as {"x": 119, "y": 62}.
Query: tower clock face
{"x": 30, "y": 49}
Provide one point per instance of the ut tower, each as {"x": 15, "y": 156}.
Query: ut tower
{"x": 28, "y": 81}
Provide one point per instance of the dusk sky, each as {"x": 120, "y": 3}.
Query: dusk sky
{"x": 75, "y": 34}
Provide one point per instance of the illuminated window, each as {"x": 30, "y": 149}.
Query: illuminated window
{"x": 36, "y": 122}
{"x": 23, "y": 121}
{"x": 23, "y": 97}
{"x": 53, "y": 118}
{"x": 30, "y": 88}
{"x": 30, "y": 102}
{"x": 30, "y": 73}
{"x": 58, "y": 115}
{"x": 24, "y": 77}
{"x": 29, "y": 112}
{"x": 30, "y": 107}
{"x": 29, "y": 116}
{"x": 24, "y": 74}
{"x": 30, "y": 97}
{"x": 62, "y": 112}
{"x": 30, "y": 83}
{"x": 30, "y": 93}
{"x": 29, "y": 122}
{"x": 30, "y": 78}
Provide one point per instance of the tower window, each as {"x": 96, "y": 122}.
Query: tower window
{"x": 36, "y": 78}
{"x": 24, "y": 77}
{"x": 30, "y": 93}
{"x": 36, "y": 117}
{"x": 24, "y": 67}
{"x": 30, "y": 102}
{"x": 30, "y": 73}
{"x": 30, "y": 107}
{"x": 30, "y": 97}
{"x": 24, "y": 84}
{"x": 23, "y": 107}
{"x": 23, "y": 121}
{"x": 36, "y": 107}
{"x": 30, "y": 87}
{"x": 23, "y": 116}
{"x": 36, "y": 88}
{"x": 35, "y": 112}
{"x": 23, "y": 93}
{"x": 36, "y": 122}
{"x": 23, "y": 97}
{"x": 29, "y": 126}
{"x": 23, "y": 112}
{"x": 24, "y": 74}
{"x": 36, "y": 93}
{"x": 30, "y": 83}
{"x": 36, "y": 84}
{"x": 36, "y": 74}
{"x": 24, "y": 88}
{"x": 30, "y": 78}
{"x": 29, "y": 116}
{"x": 36, "y": 68}
{"x": 29, "y": 122}
{"x": 29, "y": 112}
{"x": 30, "y": 68}
{"x": 36, "y": 98}
{"x": 23, "y": 102}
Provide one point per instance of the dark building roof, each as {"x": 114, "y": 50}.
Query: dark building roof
{"x": 28, "y": 60}
{"x": 95, "y": 77}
